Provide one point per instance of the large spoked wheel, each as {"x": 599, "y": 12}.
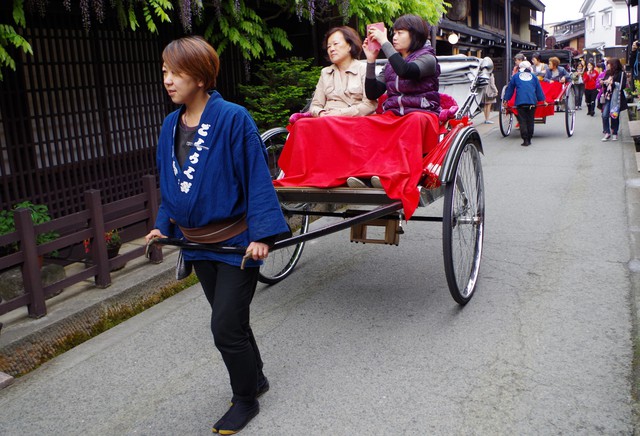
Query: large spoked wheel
{"x": 570, "y": 110}
{"x": 505, "y": 117}
{"x": 280, "y": 263}
{"x": 506, "y": 121}
{"x": 463, "y": 224}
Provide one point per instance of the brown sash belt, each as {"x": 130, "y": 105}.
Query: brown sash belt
{"x": 216, "y": 232}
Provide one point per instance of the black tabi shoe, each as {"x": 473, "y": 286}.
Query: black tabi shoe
{"x": 237, "y": 417}
{"x": 263, "y": 386}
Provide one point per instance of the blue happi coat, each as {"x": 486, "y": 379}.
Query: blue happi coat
{"x": 225, "y": 175}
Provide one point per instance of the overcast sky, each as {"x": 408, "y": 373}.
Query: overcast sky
{"x": 560, "y": 10}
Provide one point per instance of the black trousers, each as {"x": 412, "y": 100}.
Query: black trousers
{"x": 590, "y": 97}
{"x": 526, "y": 114}
{"x": 229, "y": 291}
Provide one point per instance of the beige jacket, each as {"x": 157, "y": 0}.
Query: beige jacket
{"x": 347, "y": 98}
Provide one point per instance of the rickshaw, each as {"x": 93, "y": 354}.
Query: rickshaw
{"x": 560, "y": 96}
{"x": 456, "y": 175}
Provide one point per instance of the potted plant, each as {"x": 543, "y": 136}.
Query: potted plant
{"x": 39, "y": 215}
{"x": 113, "y": 240}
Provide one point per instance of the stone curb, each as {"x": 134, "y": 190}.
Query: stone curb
{"x": 632, "y": 190}
{"x": 5, "y": 380}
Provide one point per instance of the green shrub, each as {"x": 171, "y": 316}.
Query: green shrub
{"x": 39, "y": 215}
{"x": 279, "y": 89}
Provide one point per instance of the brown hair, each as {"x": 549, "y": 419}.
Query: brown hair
{"x": 615, "y": 67}
{"x": 418, "y": 30}
{"x": 194, "y": 57}
{"x": 555, "y": 61}
{"x": 350, "y": 36}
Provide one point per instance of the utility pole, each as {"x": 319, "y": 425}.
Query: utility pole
{"x": 542, "y": 38}
{"x": 507, "y": 40}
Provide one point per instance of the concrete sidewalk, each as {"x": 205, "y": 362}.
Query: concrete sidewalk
{"x": 23, "y": 340}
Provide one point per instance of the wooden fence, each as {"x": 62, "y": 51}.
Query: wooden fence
{"x": 133, "y": 217}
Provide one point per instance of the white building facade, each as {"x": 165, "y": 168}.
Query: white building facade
{"x": 603, "y": 20}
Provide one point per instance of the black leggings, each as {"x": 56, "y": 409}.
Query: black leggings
{"x": 590, "y": 97}
{"x": 230, "y": 291}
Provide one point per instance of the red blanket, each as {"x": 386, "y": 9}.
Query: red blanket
{"x": 552, "y": 90}
{"x": 324, "y": 152}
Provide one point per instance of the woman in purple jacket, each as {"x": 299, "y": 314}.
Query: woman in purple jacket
{"x": 410, "y": 78}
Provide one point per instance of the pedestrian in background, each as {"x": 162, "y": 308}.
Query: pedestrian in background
{"x": 216, "y": 188}
{"x": 489, "y": 97}
{"x": 599, "y": 98}
{"x": 589, "y": 77}
{"x": 634, "y": 60}
{"x": 613, "y": 99}
{"x": 528, "y": 93}
{"x": 578, "y": 84}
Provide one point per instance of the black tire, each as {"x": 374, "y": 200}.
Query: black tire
{"x": 505, "y": 117}
{"x": 506, "y": 121}
{"x": 570, "y": 110}
{"x": 280, "y": 263}
{"x": 463, "y": 224}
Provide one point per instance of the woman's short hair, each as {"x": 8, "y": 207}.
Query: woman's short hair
{"x": 194, "y": 57}
{"x": 536, "y": 56}
{"x": 350, "y": 35}
{"x": 418, "y": 30}
{"x": 555, "y": 61}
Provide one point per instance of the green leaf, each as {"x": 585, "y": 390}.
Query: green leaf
{"x": 6, "y": 60}
{"x": 149, "y": 19}
{"x": 160, "y": 7}
{"x": 133, "y": 20}
{"x": 18, "y": 13}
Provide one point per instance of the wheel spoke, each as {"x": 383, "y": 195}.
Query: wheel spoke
{"x": 463, "y": 225}
{"x": 280, "y": 263}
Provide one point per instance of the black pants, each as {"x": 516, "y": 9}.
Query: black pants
{"x": 230, "y": 291}
{"x": 525, "y": 118}
{"x": 590, "y": 97}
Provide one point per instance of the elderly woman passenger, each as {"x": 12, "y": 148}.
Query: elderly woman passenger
{"x": 340, "y": 89}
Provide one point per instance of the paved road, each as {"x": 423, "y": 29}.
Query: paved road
{"x": 367, "y": 340}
